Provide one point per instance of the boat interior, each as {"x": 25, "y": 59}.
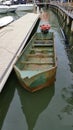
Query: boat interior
{"x": 40, "y": 55}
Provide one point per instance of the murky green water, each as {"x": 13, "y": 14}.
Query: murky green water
{"x": 48, "y": 109}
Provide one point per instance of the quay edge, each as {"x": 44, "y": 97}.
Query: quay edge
{"x": 13, "y": 39}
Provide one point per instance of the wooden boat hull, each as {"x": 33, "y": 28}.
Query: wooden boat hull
{"x": 39, "y": 69}
{"x": 39, "y": 81}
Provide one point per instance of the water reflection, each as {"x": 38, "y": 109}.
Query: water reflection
{"x": 5, "y": 99}
{"x": 69, "y": 35}
{"x": 67, "y": 110}
{"x": 67, "y": 95}
{"x": 44, "y": 15}
{"x": 70, "y": 57}
{"x": 20, "y": 13}
{"x": 34, "y": 103}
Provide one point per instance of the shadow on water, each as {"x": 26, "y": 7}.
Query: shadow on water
{"x": 5, "y": 99}
{"x": 34, "y": 103}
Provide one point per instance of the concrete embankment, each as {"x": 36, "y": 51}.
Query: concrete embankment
{"x": 12, "y": 40}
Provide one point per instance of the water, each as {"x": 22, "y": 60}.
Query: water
{"x": 48, "y": 109}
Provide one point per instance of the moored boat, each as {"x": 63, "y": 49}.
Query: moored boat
{"x": 7, "y": 9}
{"x": 36, "y": 67}
{"x": 5, "y": 21}
{"x": 3, "y": 9}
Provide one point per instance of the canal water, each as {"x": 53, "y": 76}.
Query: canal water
{"x": 48, "y": 109}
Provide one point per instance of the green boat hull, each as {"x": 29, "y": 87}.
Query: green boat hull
{"x": 36, "y": 67}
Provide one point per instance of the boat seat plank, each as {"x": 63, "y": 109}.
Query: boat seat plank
{"x": 47, "y": 36}
{"x": 39, "y": 55}
{"x": 44, "y": 38}
{"x": 41, "y": 63}
{"x": 44, "y": 41}
{"x": 42, "y": 45}
{"x": 39, "y": 50}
